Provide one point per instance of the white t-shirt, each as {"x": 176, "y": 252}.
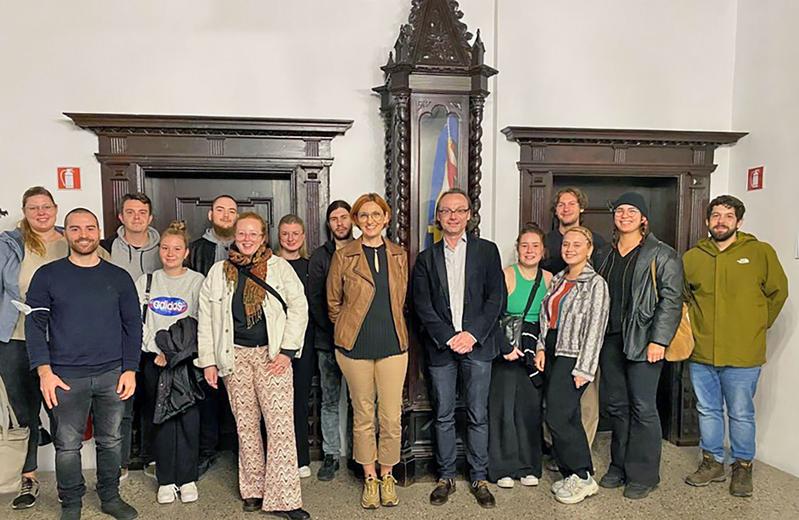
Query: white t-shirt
{"x": 171, "y": 299}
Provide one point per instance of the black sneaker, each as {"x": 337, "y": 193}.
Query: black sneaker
{"x": 119, "y": 509}
{"x": 294, "y": 514}
{"x": 328, "y": 469}
{"x": 612, "y": 479}
{"x": 251, "y": 505}
{"x": 70, "y": 513}
{"x": 485, "y": 499}
{"x": 28, "y": 491}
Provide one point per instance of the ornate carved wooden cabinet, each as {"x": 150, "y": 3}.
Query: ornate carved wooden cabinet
{"x": 432, "y": 105}
{"x": 671, "y": 169}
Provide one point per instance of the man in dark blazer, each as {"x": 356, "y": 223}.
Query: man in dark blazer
{"x": 458, "y": 295}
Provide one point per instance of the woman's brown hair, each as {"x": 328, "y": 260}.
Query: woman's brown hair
{"x": 29, "y": 237}
{"x": 369, "y": 197}
{"x": 177, "y": 228}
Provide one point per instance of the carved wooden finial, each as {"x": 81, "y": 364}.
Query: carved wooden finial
{"x": 478, "y": 50}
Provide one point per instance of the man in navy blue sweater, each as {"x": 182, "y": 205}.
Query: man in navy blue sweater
{"x": 84, "y": 339}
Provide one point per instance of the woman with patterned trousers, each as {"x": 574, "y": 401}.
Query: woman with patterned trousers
{"x": 253, "y": 315}
{"x": 366, "y": 289}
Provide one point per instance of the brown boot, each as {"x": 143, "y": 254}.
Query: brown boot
{"x": 741, "y": 482}
{"x": 709, "y": 471}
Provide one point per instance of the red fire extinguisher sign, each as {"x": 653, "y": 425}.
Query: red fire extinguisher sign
{"x": 68, "y": 178}
{"x": 754, "y": 178}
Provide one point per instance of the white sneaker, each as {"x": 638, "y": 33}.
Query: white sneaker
{"x": 557, "y": 485}
{"x": 529, "y": 480}
{"x": 575, "y": 490}
{"x": 149, "y": 471}
{"x": 305, "y": 472}
{"x": 505, "y": 482}
{"x": 189, "y": 493}
{"x": 123, "y": 474}
{"x": 167, "y": 494}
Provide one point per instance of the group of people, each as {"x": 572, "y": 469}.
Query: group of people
{"x": 158, "y": 334}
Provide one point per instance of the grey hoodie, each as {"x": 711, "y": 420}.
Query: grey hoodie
{"x": 222, "y": 247}
{"x": 136, "y": 261}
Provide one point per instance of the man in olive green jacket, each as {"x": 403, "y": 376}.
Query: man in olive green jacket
{"x": 735, "y": 287}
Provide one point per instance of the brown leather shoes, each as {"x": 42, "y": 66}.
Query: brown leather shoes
{"x": 444, "y": 488}
{"x": 485, "y": 499}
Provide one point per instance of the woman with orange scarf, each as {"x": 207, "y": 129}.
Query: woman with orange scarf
{"x": 253, "y": 315}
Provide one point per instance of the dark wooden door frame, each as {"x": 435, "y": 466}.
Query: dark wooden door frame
{"x": 130, "y": 145}
{"x": 546, "y": 153}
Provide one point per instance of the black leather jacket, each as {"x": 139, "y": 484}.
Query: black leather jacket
{"x": 178, "y": 382}
{"x": 202, "y": 256}
{"x": 318, "y": 267}
{"x": 654, "y": 316}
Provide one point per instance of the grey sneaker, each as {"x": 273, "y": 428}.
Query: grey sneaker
{"x": 709, "y": 471}
{"x": 741, "y": 482}
{"x": 70, "y": 513}
{"x": 28, "y": 492}
{"x": 575, "y": 489}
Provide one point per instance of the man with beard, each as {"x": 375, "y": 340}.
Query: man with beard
{"x": 736, "y": 287}
{"x": 213, "y": 246}
{"x": 339, "y": 232}
{"x": 568, "y": 205}
{"x": 82, "y": 366}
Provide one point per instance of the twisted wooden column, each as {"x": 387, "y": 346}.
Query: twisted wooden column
{"x": 402, "y": 109}
{"x": 388, "y": 123}
{"x": 476, "y": 104}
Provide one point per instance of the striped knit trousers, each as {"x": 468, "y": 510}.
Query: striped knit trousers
{"x": 254, "y": 393}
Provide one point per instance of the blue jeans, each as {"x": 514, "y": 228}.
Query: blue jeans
{"x": 734, "y": 387}
{"x": 330, "y": 384}
{"x": 476, "y": 380}
{"x": 98, "y": 394}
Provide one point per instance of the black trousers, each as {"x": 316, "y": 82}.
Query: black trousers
{"x": 175, "y": 442}
{"x": 563, "y": 416}
{"x": 22, "y": 385}
{"x": 217, "y": 425}
{"x": 629, "y": 389}
{"x": 304, "y": 369}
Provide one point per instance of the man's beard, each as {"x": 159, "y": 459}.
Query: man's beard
{"x": 86, "y": 250}
{"x": 347, "y": 236}
{"x": 575, "y": 221}
{"x": 722, "y": 236}
{"x": 226, "y": 233}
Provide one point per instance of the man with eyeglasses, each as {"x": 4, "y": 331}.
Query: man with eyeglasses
{"x": 213, "y": 246}
{"x": 458, "y": 295}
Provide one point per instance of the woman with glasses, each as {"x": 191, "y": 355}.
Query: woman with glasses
{"x": 645, "y": 279}
{"x": 366, "y": 290}
{"x": 253, "y": 315}
{"x": 35, "y": 242}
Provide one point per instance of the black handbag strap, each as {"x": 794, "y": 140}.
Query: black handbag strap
{"x": 146, "y": 303}
{"x": 271, "y": 290}
{"x": 534, "y": 290}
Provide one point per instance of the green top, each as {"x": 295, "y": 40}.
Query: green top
{"x": 517, "y": 300}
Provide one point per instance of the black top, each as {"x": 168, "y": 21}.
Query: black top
{"x": 316, "y": 291}
{"x": 619, "y": 275}
{"x": 377, "y": 338}
{"x": 554, "y": 241}
{"x": 300, "y": 266}
{"x": 243, "y": 336}
{"x": 69, "y": 337}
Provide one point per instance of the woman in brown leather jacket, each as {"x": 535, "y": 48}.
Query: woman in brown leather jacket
{"x": 366, "y": 289}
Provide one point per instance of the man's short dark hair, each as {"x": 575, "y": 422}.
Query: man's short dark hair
{"x": 80, "y": 210}
{"x": 727, "y": 201}
{"x": 224, "y": 196}
{"x": 138, "y": 196}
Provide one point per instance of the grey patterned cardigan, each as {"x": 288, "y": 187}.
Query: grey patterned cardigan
{"x": 583, "y": 319}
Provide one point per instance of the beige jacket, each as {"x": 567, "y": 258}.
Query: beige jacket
{"x": 215, "y": 325}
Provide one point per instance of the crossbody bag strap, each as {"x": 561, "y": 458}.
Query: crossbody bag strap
{"x": 533, "y": 291}
{"x": 146, "y": 304}
{"x": 271, "y": 290}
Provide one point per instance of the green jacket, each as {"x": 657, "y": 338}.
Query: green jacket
{"x": 734, "y": 297}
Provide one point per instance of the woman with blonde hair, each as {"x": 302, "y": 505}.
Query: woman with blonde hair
{"x": 253, "y": 316}
{"x": 170, "y": 301}
{"x": 573, "y": 318}
{"x": 292, "y": 248}
{"x": 366, "y": 290}
{"x": 35, "y": 242}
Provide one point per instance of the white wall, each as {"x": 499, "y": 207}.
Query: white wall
{"x": 620, "y": 64}
{"x": 764, "y": 104}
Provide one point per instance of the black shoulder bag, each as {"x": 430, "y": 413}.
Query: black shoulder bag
{"x": 512, "y": 325}
{"x": 271, "y": 290}
{"x": 146, "y": 303}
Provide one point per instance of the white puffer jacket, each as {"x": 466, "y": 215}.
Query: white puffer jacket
{"x": 215, "y": 324}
